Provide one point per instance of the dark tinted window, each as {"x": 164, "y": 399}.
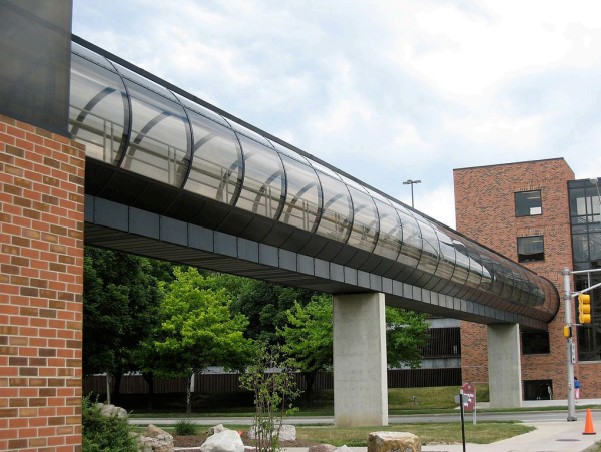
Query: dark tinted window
{"x": 531, "y": 249}
{"x": 528, "y": 203}
{"x": 535, "y": 342}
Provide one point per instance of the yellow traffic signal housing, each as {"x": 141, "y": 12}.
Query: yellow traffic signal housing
{"x": 567, "y": 331}
{"x": 584, "y": 308}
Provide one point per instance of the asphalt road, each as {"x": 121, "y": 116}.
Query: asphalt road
{"x": 522, "y": 416}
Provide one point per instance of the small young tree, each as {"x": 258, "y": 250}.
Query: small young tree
{"x": 197, "y": 329}
{"x": 274, "y": 388}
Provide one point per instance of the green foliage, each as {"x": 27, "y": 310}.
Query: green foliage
{"x": 104, "y": 433}
{"x": 406, "y": 335}
{"x": 121, "y": 301}
{"x": 274, "y": 388}
{"x": 308, "y": 336}
{"x": 265, "y": 306}
{"x": 185, "y": 427}
{"x": 197, "y": 329}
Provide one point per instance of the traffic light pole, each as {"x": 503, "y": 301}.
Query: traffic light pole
{"x": 570, "y": 356}
{"x": 570, "y": 348}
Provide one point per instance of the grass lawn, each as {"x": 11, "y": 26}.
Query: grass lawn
{"x": 400, "y": 401}
{"x": 435, "y": 433}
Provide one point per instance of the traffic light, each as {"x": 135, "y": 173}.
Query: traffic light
{"x": 584, "y": 308}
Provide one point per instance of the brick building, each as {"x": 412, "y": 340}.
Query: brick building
{"x": 532, "y": 212}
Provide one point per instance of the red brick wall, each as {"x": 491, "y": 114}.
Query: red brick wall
{"x": 485, "y": 210}
{"x": 41, "y": 285}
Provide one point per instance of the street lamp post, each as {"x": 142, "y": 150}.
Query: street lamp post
{"x": 411, "y": 182}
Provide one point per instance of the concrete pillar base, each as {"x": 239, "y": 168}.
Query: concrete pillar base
{"x": 360, "y": 374}
{"x": 504, "y": 366}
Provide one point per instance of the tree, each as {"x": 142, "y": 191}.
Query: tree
{"x": 273, "y": 393}
{"x": 197, "y": 329}
{"x": 265, "y": 305}
{"x": 406, "y": 336}
{"x": 120, "y": 301}
{"x": 309, "y": 338}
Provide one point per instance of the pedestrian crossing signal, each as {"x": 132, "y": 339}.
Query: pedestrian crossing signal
{"x": 584, "y": 308}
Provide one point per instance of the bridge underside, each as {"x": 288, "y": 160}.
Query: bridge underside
{"x": 117, "y": 226}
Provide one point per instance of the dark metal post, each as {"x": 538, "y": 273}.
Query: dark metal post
{"x": 411, "y": 182}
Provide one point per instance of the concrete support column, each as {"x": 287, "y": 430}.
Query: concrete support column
{"x": 504, "y": 366}
{"x": 360, "y": 375}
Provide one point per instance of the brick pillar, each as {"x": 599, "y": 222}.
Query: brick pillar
{"x": 41, "y": 286}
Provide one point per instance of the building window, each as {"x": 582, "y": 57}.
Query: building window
{"x": 535, "y": 342}
{"x": 531, "y": 249}
{"x": 528, "y": 203}
{"x": 538, "y": 390}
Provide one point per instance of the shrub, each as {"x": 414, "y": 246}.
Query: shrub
{"x": 104, "y": 433}
{"x": 185, "y": 428}
{"x": 273, "y": 393}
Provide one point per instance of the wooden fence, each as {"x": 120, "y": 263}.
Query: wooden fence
{"x": 229, "y": 382}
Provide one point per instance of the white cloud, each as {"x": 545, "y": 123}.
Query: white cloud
{"x": 384, "y": 90}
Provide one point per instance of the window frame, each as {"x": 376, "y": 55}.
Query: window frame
{"x": 522, "y": 203}
{"x": 522, "y": 260}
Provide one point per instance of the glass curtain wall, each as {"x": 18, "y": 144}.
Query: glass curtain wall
{"x": 585, "y": 219}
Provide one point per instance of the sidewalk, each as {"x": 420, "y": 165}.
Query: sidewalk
{"x": 550, "y": 436}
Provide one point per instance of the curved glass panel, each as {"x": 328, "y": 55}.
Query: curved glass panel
{"x": 160, "y": 141}
{"x": 98, "y": 114}
{"x": 446, "y": 267}
{"x": 430, "y": 252}
{"x": 366, "y": 224}
{"x": 391, "y": 231}
{"x": 337, "y": 214}
{"x": 263, "y": 181}
{"x": 303, "y": 195}
{"x": 478, "y": 276}
{"x": 216, "y": 170}
{"x": 411, "y": 248}
{"x": 241, "y": 130}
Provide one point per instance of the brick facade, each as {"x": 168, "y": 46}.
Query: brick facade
{"x": 485, "y": 210}
{"x": 41, "y": 286}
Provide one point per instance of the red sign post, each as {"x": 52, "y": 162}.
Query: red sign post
{"x": 469, "y": 403}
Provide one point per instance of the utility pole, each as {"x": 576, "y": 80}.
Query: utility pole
{"x": 411, "y": 182}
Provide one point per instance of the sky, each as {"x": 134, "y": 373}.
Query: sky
{"x": 385, "y": 90}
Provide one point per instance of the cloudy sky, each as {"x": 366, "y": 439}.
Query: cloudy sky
{"x": 385, "y": 90}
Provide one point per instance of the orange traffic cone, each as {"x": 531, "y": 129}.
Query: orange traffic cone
{"x": 589, "y": 428}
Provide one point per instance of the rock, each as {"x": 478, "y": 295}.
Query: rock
{"x": 393, "y": 441}
{"x": 216, "y": 429}
{"x": 155, "y": 439}
{"x": 111, "y": 410}
{"x": 225, "y": 441}
{"x": 322, "y": 448}
{"x": 287, "y": 432}
{"x": 153, "y": 431}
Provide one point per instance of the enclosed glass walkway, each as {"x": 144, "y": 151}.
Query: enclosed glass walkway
{"x": 222, "y": 173}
